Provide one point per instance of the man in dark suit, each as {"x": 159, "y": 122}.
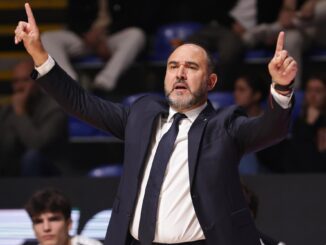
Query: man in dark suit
{"x": 181, "y": 183}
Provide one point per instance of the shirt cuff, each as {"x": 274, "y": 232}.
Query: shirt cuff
{"x": 283, "y": 100}
{"x": 45, "y": 67}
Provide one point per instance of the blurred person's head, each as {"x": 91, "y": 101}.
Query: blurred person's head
{"x": 21, "y": 77}
{"x": 50, "y": 213}
{"x": 315, "y": 93}
{"x": 250, "y": 92}
{"x": 189, "y": 77}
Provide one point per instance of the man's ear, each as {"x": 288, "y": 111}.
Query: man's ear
{"x": 212, "y": 81}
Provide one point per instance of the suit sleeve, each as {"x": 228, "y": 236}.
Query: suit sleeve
{"x": 256, "y": 133}
{"x": 75, "y": 100}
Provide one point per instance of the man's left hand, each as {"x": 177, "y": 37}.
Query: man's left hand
{"x": 282, "y": 68}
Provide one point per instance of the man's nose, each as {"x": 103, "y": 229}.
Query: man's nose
{"x": 46, "y": 226}
{"x": 182, "y": 73}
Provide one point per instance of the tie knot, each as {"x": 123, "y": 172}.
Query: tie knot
{"x": 178, "y": 116}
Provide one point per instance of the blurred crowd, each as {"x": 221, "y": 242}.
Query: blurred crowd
{"x": 34, "y": 130}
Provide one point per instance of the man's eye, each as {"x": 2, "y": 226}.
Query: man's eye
{"x": 194, "y": 67}
{"x": 55, "y": 218}
{"x": 37, "y": 221}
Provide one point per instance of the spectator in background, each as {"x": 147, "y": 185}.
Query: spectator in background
{"x": 100, "y": 27}
{"x": 250, "y": 92}
{"x": 50, "y": 212}
{"x": 304, "y": 22}
{"x": 33, "y": 128}
{"x": 308, "y": 143}
{"x": 221, "y": 33}
{"x": 227, "y": 25}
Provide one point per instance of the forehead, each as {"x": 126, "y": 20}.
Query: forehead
{"x": 241, "y": 81}
{"x": 315, "y": 82}
{"x": 189, "y": 52}
{"x": 48, "y": 214}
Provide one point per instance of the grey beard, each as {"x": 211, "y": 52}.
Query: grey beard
{"x": 182, "y": 104}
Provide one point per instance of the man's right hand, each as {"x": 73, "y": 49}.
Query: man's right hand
{"x": 28, "y": 33}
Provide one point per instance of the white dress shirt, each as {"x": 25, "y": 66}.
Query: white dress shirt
{"x": 176, "y": 218}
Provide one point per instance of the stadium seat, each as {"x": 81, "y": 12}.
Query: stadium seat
{"x": 78, "y": 128}
{"x": 317, "y": 54}
{"x": 168, "y": 37}
{"x": 221, "y": 99}
{"x": 255, "y": 56}
{"x": 106, "y": 170}
{"x": 88, "y": 62}
{"x": 299, "y": 97}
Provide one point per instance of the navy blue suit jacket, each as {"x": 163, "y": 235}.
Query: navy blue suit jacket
{"x": 217, "y": 140}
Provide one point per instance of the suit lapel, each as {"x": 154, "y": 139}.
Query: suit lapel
{"x": 194, "y": 138}
{"x": 195, "y": 134}
{"x": 150, "y": 120}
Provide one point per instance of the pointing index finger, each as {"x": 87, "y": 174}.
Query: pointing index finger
{"x": 30, "y": 16}
{"x": 280, "y": 42}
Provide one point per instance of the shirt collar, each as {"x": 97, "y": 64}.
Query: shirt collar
{"x": 191, "y": 115}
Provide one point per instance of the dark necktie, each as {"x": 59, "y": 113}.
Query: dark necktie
{"x": 163, "y": 153}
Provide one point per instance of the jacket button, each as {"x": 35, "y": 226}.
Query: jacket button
{"x": 194, "y": 196}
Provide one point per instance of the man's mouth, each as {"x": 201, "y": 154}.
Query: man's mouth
{"x": 48, "y": 237}
{"x": 180, "y": 87}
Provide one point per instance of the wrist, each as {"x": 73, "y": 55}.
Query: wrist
{"x": 40, "y": 58}
{"x": 283, "y": 89}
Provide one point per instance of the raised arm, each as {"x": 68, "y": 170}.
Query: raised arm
{"x": 259, "y": 132}
{"x": 73, "y": 98}
{"x": 282, "y": 68}
{"x": 28, "y": 33}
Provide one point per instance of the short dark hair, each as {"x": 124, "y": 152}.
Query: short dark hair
{"x": 257, "y": 84}
{"x": 318, "y": 76}
{"x": 48, "y": 200}
{"x": 211, "y": 63}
